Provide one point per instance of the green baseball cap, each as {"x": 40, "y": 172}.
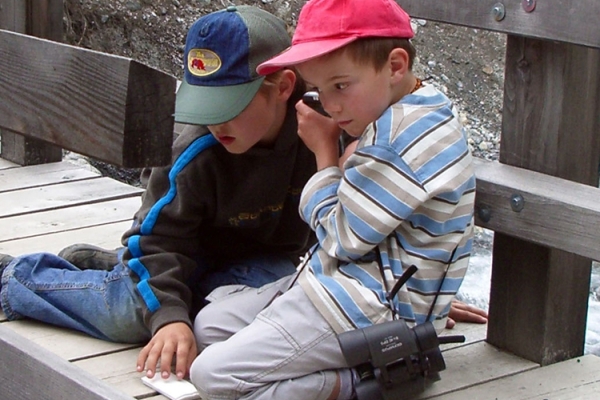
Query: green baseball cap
{"x": 222, "y": 52}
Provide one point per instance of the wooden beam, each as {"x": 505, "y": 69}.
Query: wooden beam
{"x": 572, "y": 21}
{"x": 30, "y": 371}
{"x": 539, "y": 295}
{"x": 556, "y": 213}
{"x": 40, "y": 18}
{"x": 104, "y": 106}
{"x": 13, "y": 16}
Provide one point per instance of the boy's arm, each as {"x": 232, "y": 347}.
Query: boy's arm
{"x": 162, "y": 259}
{"x": 172, "y": 339}
{"x": 350, "y": 210}
{"x": 160, "y": 247}
{"x": 163, "y": 267}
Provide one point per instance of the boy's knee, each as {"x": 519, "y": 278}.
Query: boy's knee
{"x": 207, "y": 329}
{"x": 199, "y": 372}
{"x": 208, "y": 375}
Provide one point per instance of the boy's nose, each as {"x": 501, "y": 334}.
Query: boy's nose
{"x": 217, "y": 129}
{"x": 331, "y": 106}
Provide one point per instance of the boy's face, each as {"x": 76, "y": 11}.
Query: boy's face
{"x": 353, "y": 95}
{"x": 258, "y": 124}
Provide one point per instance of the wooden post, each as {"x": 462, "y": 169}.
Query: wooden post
{"x": 40, "y": 18}
{"x": 551, "y": 124}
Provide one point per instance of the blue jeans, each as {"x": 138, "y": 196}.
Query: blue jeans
{"x": 105, "y": 304}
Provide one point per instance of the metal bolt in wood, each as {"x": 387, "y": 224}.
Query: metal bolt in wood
{"x": 498, "y": 11}
{"x": 528, "y": 5}
{"x": 517, "y": 202}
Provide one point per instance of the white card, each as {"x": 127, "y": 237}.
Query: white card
{"x": 172, "y": 388}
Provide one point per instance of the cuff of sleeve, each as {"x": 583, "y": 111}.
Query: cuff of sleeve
{"x": 165, "y": 316}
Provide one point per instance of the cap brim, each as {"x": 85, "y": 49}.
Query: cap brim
{"x": 212, "y": 105}
{"x": 301, "y": 52}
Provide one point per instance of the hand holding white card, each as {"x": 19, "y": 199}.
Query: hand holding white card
{"x": 172, "y": 388}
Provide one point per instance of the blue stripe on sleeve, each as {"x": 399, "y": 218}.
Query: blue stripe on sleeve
{"x": 148, "y": 296}
{"x": 420, "y": 127}
{"x": 133, "y": 243}
{"x": 454, "y": 196}
{"x": 351, "y": 309}
{"x": 136, "y": 266}
{"x": 197, "y": 146}
{"x": 435, "y": 228}
{"x": 339, "y": 294}
{"x": 443, "y": 159}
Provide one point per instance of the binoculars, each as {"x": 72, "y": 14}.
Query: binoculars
{"x": 395, "y": 362}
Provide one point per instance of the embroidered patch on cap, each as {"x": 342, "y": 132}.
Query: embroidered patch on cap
{"x": 202, "y": 62}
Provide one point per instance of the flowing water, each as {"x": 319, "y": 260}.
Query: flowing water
{"x": 476, "y": 288}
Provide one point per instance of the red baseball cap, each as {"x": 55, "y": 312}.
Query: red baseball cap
{"x": 327, "y": 25}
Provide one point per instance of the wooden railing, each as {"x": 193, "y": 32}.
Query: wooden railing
{"x": 41, "y": 19}
{"x": 104, "y": 106}
{"x": 546, "y": 228}
{"x": 540, "y": 199}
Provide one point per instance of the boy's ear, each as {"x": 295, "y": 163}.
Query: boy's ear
{"x": 399, "y": 62}
{"x": 287, "y": 83}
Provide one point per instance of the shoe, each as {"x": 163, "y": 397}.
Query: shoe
{"x": 5, "y": 259}
{"x": 87, "y": 256}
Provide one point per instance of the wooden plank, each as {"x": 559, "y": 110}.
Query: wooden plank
{"x": 550, "y": 125}
{"x": 572, "y": 21}
{"x": 118, "y": 371}
{"x": 573, "y": 379}
{"x": 473, "y": 333}
{"x": 109, "y": 107}
{"x": 474, "y": 364}
{"x": 556, "y": 212}
{"x": 64, "y": 195}
{"x": 5, "y": 164}
{"x": 30, "y": 371}
{"x": 65, "y": 219}
{"x": 107, "y": 236}
{"x": 40, "y": 18}
{"x": 67, "y": 344}
{"x": 39, "y": 175}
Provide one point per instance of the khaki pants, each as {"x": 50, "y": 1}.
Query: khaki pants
{"x": 285, "y": 351}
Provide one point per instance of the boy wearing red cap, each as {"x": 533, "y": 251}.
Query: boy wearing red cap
{"x": 404, "y": 196}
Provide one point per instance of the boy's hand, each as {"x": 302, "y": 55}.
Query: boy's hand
{"x": 320, "y": 134}
{"x": 462, "y": 312}
{"x": 173, "y": 339}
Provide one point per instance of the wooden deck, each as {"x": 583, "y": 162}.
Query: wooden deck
{"x": 47, "y": 207}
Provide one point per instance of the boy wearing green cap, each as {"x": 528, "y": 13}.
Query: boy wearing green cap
{"x": 224, "y": 212}
{"x": 404, "y": 197}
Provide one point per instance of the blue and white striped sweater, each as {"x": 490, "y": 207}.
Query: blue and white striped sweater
{"x": 409, "y": 190}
